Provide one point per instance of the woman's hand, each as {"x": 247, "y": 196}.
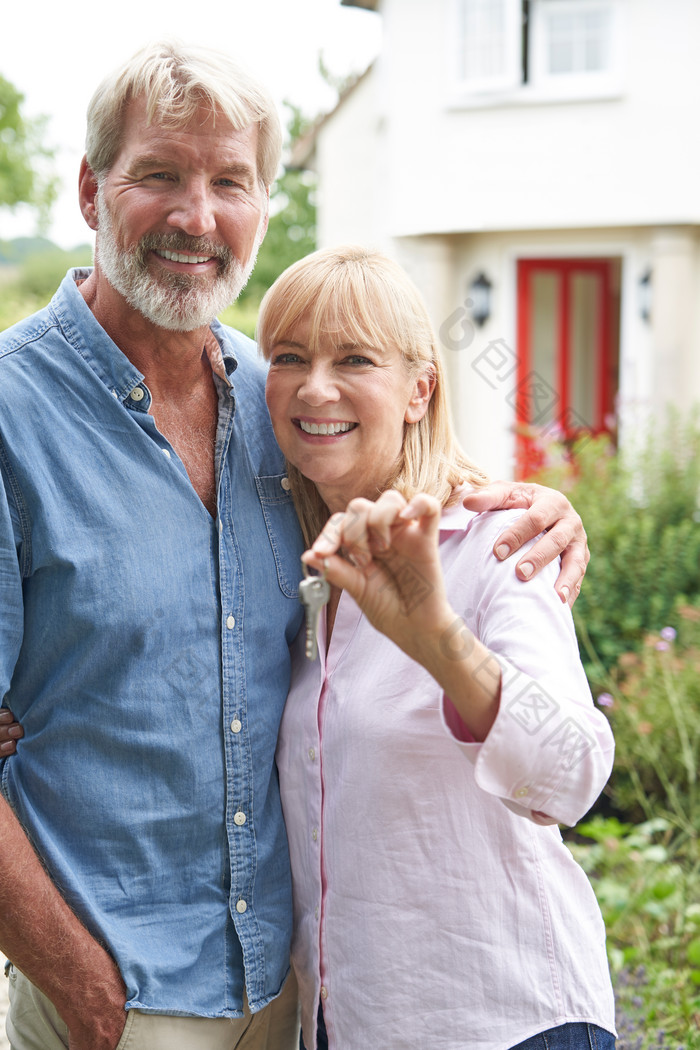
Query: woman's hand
{"x": 548, "y": 511}
{"x": 10, "y": 732}
{"x": 386, "y": 556}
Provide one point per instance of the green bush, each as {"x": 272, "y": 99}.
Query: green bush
{"x": 641, "y": 515}
{"x": 654, "y": 708}
{"x": 648, "y": 888}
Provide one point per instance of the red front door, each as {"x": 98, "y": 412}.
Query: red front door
{"x": 568, "y": 353}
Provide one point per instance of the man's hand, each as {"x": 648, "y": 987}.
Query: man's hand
{"x": 99, "y": 1019}
{"x": 10, "y": 732}
{"x": 548, "y": 511}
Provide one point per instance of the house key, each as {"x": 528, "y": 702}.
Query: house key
{"x": 314, "y": 592}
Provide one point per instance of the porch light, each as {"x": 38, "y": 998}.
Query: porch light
{"x": 644, "y": 295}
{"x": 480, "y": 295}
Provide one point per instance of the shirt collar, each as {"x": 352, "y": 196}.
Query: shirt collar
{"x": 112, "y": 366}
{"x": 456, "y": 518}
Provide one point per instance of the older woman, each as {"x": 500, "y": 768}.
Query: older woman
{"x": 428, "y": 754}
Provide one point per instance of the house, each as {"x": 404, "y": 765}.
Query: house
{"x": 535, "y": 165}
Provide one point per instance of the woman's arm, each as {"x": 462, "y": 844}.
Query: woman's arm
{"x": 392, "y": 569}
{"x": 505, "y": 655}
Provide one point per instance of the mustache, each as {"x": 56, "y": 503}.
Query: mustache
{"x": 182, "y": 242}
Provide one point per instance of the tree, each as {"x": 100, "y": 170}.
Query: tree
{"x": 291, "y": 233}
{"x": 22, "y": 154}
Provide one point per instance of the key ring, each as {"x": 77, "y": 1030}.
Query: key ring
{"x": 311, "y": 573}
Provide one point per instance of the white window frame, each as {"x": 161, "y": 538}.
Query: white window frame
{"x": 577, "y": 83}
{"x": 541, "y": 87}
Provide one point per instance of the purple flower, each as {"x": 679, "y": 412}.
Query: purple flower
{"x": 663, "y": 647}
{"x": 668, "y": 634}
{"x": 605, "y": 700}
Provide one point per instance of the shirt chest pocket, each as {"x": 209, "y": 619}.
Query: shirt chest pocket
{"x": 282, "y": 529}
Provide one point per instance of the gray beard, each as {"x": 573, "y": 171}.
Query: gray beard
{"x": 179, "y": 302}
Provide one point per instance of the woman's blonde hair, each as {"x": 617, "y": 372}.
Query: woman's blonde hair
{"x": 361, "y": 296}
{"x": 175, "y": 80}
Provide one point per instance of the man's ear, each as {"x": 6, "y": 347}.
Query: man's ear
{"x": 87, "y": 189}
{"x": 420, "y": 398}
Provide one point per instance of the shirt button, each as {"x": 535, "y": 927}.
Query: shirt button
{"x": 286, "y": 484}
{"x": 312, "y": 754}
{"x": 315, "y": 913}
{"x": 166, "y": 452}
{"x": 236, "y": 726}
{"x": 230, "y": 622}
{"x": 241, "y": 906}
{"x": 521, "y": 792}
{"x": 239, "y": 818}
{"x": 324, "y": 992}
{"x": 314, "y": 834}
{"x": 137, "y": 394}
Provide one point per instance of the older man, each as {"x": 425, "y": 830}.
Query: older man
{"x": 149, "y": 560}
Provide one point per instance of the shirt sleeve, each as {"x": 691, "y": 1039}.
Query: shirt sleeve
{"x": 11, "y": 604}
{"x": 549, "y": 752}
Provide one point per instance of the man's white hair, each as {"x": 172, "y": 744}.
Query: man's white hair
{"x": 176, "y": 80}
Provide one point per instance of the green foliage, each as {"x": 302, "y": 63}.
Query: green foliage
{"x": 648, "y": 889}
{"x": 18, "y": 249}
{"x": 242, "y": 316}
{"x": 654, "y": 708}
{"x": 40, "y": 275}
{"x": 29, "y": 286}
{"x": 641, "y": 516}
{"x": 23, "y": 153}
{"x": 638, "y": 623}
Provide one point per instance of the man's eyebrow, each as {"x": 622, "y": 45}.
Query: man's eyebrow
{"x": 239, "y": 169}
{"x": 157, "y": 161}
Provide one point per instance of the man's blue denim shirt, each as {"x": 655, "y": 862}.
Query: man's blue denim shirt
{"x": 144, "y": 647}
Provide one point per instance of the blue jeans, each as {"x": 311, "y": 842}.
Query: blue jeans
{"x": 579, "y": 1036}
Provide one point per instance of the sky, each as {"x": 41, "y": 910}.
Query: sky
{"x": 56, "y": 55}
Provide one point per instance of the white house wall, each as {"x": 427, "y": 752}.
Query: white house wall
{"x": 503, "y": 162}
{"x": 453, "y": 187}
{"x": 348, "y": 159}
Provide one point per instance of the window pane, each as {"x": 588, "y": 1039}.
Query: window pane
{"x": 483, "y": 32}
{"x": 594, "y": 44}
{"x": 583, "y": 376}
{"x": 577, "y": 40}
{"x": 543, "y": 346}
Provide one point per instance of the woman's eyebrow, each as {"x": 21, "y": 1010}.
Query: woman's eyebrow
{"x": 290, "y": 343}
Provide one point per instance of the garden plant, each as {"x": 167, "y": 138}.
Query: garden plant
{"x": 638, "y": 624}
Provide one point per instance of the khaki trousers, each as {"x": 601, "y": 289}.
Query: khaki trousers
{"x": 34, "y": 1024}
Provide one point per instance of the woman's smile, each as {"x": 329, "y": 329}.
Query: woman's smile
{"x": 324, "y": 427}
